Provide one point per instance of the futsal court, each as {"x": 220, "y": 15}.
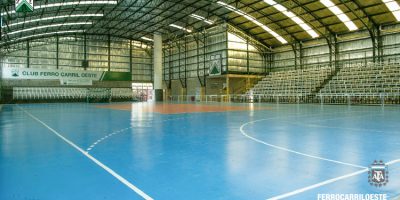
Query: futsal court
{"x": 200, "y": 99}
{"x": 195, "y": 151}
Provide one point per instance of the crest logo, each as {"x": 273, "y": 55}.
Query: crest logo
{"x": 378, "y": 174}
{"x": 15, "y": 72}
{"x": 215, "y": 65}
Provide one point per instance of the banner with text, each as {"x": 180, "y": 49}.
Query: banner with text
{"x": 73, "y": 76}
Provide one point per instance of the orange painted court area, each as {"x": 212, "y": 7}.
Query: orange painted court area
{"x": 181, "y": 108}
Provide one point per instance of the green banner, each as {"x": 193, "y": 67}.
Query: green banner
{"x": 64, "y": 75}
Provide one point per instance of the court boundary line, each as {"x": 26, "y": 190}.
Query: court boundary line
{"x": 290, "y": 150}
{"x": 90, "y": 157}
{"x": 326, "y": 182}
{"x": 94, "y": 144}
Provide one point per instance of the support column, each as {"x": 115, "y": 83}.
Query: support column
{"x": 27, "y": 54}
{"x": 227, "y": 86}
{"x": 248, "y": 84}
{"x": 109, "y": 53}
{"x": 270, "y": 60}
{"x": 377, "y": 44}
{"x": 157, "y": 65}
{"x": 333, "y": 52}
{"x": 202, "y": 93}
{"x": 85, "y": 61}
{"x": 298, "y": 55}
{"x": 183, "y": 92}
{"x": 247, "y": 57}
{"x": 130, "y": 56}
{"x": 57, "y": 50}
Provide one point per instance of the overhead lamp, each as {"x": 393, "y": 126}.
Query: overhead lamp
{"x": 146, "y": 38}
{"x": 48, "y": 26}
{"x": 180, "y": 27}
{"x": 43, "y": 34}
{"x": 55, "y": 17}
{"x": 201, "y": 19}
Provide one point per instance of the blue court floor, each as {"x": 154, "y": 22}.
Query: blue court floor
{"x": 83, "y": 152}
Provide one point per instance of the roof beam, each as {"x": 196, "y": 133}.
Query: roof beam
{"x": 133, "y": 21}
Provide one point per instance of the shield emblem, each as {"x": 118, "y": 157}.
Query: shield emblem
{"x": 378, "y": 174}
{"x": 15, "y": 72}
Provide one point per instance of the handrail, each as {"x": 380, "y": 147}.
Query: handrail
{"x": 344, "y": 98}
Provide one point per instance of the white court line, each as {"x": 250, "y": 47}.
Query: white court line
{"x": 298, "y": 191}
{"x": 290, "y": 150}
{"x": 109, "y": 170}
{"x": 92, "y": 146}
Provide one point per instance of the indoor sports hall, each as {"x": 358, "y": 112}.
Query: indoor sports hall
{"x": 200, "y": 99}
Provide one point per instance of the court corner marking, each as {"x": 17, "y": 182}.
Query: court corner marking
{"x": 301, "y": 190}
{"x": 85, "y": 153}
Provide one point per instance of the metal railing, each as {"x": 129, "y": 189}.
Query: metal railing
{"x": 344, "y": 98}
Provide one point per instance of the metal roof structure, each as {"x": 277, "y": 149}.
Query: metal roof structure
{"x": 265, "y": 20}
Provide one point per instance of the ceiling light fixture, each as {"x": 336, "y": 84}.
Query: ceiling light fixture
{"x": 180, "y": 27}
{"x": 43, "y": 34}
{"x": 146, "y": 38}
{"x": 47, "y": 26}
{"x": 55, "y": 17}
{"x": 202, "y": 19}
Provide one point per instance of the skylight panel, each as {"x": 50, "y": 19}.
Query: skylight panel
{"x": 289, "y": 14}
{"x": 252, "y": 19}
{"x": 394, "y": 7}
{"x": 270, "y": 2}
{"x": 339, "y": 13}
{"x": 351, "y": 26}
{"x": 280, "y": 7}
{"x": 297, "y": 20}
{"x": 343, "y": 18}
{"x": 293, "y": 17}
{"x": 397, "y": 14}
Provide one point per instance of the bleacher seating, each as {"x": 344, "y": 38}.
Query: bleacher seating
{"x": 121, "y": 93}
{"x": 70, "y": 94}
{"x": 370, "y": 84}
{"x": 360, "y": 83}
{"x": 290, "y": 86}
{"x": 43, "y": 93}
